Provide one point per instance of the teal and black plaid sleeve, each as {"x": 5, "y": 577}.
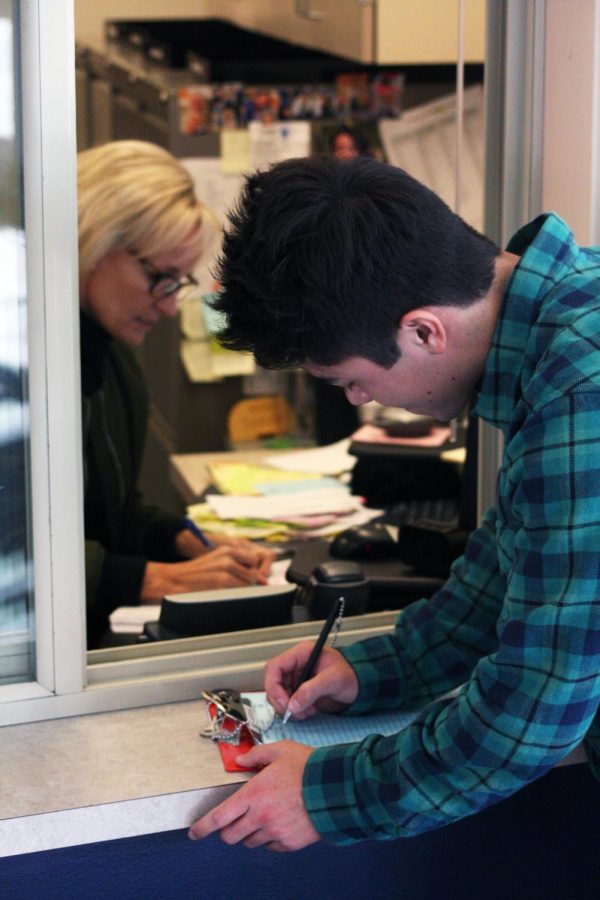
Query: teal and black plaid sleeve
{"x": 518, "y": 623}
{"x": 437, "y": 642}
{"x": 533, "y": 695}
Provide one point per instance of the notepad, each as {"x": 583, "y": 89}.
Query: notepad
{"x": 325, "y": 729}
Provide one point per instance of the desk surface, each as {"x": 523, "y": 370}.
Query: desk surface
{"x": 99, "y": 777}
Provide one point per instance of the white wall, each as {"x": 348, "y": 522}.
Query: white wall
{"x": 572, "y": 115}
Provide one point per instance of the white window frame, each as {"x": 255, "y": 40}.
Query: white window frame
{"x": 47, "y": 66}
{"x": 178, "y": 670}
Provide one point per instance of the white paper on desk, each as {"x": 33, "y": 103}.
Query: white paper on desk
{"x": 329, "y": 460}
{"x": 352, "y": 520}
{"x": 131, "y": 619}
{"x": 277, "y": 574}
{"x": 325, "y": 729}
{"x": 319, "y": 483}
{"x": 284, "y": 506}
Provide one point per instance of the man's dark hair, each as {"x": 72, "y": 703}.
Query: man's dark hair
{"x": 324, "y": 257}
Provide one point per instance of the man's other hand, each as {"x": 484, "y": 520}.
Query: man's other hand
{"x": 268, "y": 810}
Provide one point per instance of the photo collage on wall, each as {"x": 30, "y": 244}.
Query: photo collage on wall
{"x": 352, "y": 98}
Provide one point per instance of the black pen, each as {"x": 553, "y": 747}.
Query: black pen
{"x": 335, "y": 614}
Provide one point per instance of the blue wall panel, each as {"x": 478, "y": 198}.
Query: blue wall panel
{"x": 541, "y": 844}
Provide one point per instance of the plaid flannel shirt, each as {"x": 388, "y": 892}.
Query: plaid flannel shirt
{"x": 516, "y": 628}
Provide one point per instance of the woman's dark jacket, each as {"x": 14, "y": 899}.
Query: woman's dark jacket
{"x": 121, "y": 533}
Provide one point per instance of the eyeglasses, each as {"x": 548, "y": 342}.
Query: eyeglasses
{"x": 164, "y": 284}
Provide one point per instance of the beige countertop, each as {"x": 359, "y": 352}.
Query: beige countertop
{"x": 105, "y": 776}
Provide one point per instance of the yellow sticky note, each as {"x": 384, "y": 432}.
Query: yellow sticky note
{"x": 235, "y": 151}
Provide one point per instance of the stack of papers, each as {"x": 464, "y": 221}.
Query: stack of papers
{"x": 290, "y": 506}
{"x": 295, "y": 496}
{"x": 287, "y": 526}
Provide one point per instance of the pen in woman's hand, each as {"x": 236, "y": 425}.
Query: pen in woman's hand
{"x": 198, "y": 533}
{"x": 307, "y": 672}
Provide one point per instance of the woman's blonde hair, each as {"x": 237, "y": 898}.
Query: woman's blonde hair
{"x": 133, "y": 195}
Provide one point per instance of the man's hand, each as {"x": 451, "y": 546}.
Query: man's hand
{"x": 333, "y": 686}
{"x": 269, "y": 808}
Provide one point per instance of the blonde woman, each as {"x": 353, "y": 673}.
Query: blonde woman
{"x": 141, "y": 233}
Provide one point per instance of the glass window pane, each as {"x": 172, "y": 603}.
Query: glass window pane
{"x": 16, "y": 573}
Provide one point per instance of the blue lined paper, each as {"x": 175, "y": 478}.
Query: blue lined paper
{"x": 325, "y": 729}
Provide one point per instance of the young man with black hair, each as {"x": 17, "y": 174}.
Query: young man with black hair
{"x": 366, "y": 278}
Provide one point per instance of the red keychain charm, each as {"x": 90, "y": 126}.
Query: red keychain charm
{"x": 230, "y": 727}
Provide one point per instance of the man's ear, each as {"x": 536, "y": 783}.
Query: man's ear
{"x": 425, "y": 329}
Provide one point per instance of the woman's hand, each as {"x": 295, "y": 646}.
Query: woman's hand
{"x": 265, "y": 556}
{"x": 188, "y": 545}
{"x": 223, "y": 567}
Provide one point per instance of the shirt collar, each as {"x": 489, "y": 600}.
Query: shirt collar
{"x": 547, "y": 250}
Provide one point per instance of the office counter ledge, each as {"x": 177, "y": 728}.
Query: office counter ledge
{"x": 111, "y": 775}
